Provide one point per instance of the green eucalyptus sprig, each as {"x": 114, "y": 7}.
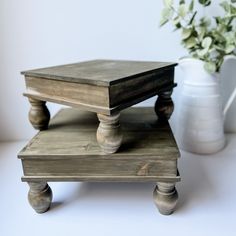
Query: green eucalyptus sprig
{"x": 205, "y": 40}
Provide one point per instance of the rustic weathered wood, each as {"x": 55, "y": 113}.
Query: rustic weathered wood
{"x": 165, "y": 197}
{"x": 99, "y": 72}
{"x": 104, "y": 87}
{"x": 164, "y": 105}
{"x": 72, "y": 130}
{"x": 71, "y": 92}
{"x": 97, "y": 167}
{"x": 40, "y": 196}
{"x": 69, "y": 148}
{"x": 39, "y": 115}
{"x": 132, "y": 89}
{"x": 102, "y": 178}
{"x": 109, "y": 135}
{"x": 68, "y": 151}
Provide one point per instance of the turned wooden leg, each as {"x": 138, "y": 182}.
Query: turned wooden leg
{"x": 40, "y": 196}
{"x": 164, "y": 105}
{"x": 39, "y": 115}
{"x": 165, "y": 197}
{"x": 109, "y": 135}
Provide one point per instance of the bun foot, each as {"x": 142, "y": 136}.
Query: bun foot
{"x": 165, "y": 197}
{"x": 40, "y": 196}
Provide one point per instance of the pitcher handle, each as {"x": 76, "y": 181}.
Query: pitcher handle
{"x": 230, "y": 101}
{"x": 233, "y": 94}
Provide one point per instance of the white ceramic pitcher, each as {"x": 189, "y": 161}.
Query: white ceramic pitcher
{"x": 200, "y": 118}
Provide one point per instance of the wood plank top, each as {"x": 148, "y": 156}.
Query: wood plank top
{"x": 99, "y": 72}
{"x": 72, "y": 133}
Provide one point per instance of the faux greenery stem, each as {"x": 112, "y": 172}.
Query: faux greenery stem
{"x": 204, "y": 40}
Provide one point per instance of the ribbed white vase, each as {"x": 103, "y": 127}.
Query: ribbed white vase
{"x": 200, "y": 120}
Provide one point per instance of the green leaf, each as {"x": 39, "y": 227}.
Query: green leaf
{"x": 225, "y": 5}
{"x": 203, "y": 52}
{"x": 166, "y": 15}
{"x": 218, "y": 20}
{"x": 232, "y": 10}
{"x": 205, "y": 22}
{"x": 163, "y": 22}
{"x": 229, "y": 49}
{"x": 191, "y": 6}
{"x": 168, "y": 3}
{"x": 181, "y": 2}
{"x": 182, "y": 11}
{"x": 218, "y": 48}
{"x": 177, "y": 22}
{"x": 186, "y": 33}
{"x": 205, "y": 2}
{"x": 190, "y": 42}
{"x": 230, "y": 37}
{"x": 210, "y": 67}
{"x": 202, "y": 32}
{"x": 206, "y": 43}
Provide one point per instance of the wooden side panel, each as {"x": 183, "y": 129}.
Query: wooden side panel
{"x": 133, "y": 89}
{"x": 74, "y": 93}
{"x": 93, "y": 167}
{"x": 68, "y": 150}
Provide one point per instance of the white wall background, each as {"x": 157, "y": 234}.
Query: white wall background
{"x": 44, "y": 33}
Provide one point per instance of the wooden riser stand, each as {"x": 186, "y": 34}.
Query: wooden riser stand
{"x": 68, "y": 151}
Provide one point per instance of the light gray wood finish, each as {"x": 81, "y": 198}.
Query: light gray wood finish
{"x": 102, "y": 86}
{"x": 99, "y": 72}
{"x": 40, "y": 196}
{"x": 164, "y": 105}
{"x": 100, "y": 178}
{"x": 109, "y": 135}
{"x": 165, "y": 197}
{"x": 68, "y": 150}
{"x": 70, "y": 92}
{"x": 39, "y": 114}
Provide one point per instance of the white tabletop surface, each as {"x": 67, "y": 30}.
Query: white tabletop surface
{"x": 206, "y": 205}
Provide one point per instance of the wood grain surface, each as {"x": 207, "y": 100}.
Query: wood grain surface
{"x": 68, "y": 150}
{"x": 99, "y": 72}
{"x": 102, "y": 86}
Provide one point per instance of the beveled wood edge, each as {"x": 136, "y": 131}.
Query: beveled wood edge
{"x": 101, "y": 179}
{"x": 93, "y": 82}
{"x": 86, "y": 107}
{"x": 102, "y": 156}
{"x": 100, "y": 109}
{"x": 141, "y": 98}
